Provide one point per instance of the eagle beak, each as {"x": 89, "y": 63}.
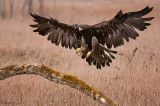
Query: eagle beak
{"x": 88, "y": 54}
{"x": 80, "y": 29}
{"x": 78, "y": 51}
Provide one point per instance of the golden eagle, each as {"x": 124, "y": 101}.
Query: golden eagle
{"x": 94, "y": 42}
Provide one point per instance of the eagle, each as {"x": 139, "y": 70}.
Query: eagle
{"x": 94, "y": 42}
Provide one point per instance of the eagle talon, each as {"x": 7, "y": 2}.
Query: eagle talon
{"x": 78, "y": 51}
{"x": 88, "y": 54}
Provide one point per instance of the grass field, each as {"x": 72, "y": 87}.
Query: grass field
{"x": 133, "y": 79}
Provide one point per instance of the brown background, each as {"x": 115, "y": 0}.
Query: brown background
{"x": 131, "y": 80}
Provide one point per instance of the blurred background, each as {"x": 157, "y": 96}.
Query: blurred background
{"x": 133, "y": 79}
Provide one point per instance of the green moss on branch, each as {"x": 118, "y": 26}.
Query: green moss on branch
{"x": 57, "y": 77}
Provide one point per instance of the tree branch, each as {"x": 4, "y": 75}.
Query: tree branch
{"x": 56, "y": 77}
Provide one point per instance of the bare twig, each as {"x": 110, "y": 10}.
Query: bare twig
{"x": 4, "y": 9}
{"x": 11, "y": 8}
{"x": 23, "y": 6}
{"x": 41, "y": 8}
{"x": 30, "y": 4}
{"x": 57, "y": 77}
{"x": 133, "y": 54}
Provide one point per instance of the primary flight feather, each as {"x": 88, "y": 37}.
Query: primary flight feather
{"x": 94, "y": 42}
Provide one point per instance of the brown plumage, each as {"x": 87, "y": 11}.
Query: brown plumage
{"x": 91, "y": 39}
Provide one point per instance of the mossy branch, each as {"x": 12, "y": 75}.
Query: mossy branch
{"x": 57, "y": 77}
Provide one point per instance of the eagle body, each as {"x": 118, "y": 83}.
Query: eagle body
{"x": 94, "y": 42}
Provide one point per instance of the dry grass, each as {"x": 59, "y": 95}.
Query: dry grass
{"x": 131, "y": 80}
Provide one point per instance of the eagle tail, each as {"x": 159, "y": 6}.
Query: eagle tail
{"x": 106, "y": 58}
{"x": 109, "y": 52}
{"x": 99, "y": 55}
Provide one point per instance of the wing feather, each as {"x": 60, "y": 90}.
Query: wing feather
{"x": 67, "y": 41}
{"x": 71, "y": 42}
{"x": 59, "y": 37}
{"x": 122, "y": 26}
{"x": 63, "y": 39}
{"x": 55, "y": 36}
{"x": 74, "y": 41}
{"x": 57, "y": 32}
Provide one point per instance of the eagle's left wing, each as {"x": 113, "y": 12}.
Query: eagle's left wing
{"x": 121, "y": 27}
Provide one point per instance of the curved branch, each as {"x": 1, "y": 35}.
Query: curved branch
{"x": 57, "y": 77}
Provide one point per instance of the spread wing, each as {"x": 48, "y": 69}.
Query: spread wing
{"x": 122, "y": 26}
{"x": 57, "y": 32}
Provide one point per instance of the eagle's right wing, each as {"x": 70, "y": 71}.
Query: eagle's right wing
{"x": 58, "y": 32}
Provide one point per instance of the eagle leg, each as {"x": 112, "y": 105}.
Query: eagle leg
{"x": 78, "y": 51}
